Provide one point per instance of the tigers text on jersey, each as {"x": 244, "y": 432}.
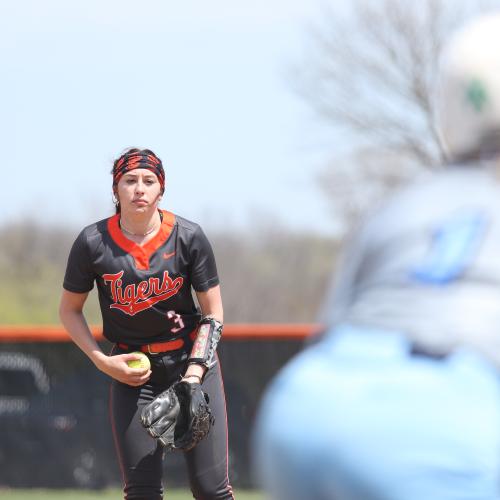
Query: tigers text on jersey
{"x": 144, "y": 290}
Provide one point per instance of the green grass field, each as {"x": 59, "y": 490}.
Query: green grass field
{"x": 7, "y": 494}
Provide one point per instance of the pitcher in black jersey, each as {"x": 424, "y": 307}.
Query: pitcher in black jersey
{"x": 145, "y": 261}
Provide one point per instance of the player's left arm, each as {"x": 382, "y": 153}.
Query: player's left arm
{"x": 209, "y": 331}
{"x": 211, "y": 303}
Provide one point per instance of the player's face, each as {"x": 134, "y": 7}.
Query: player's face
{"x": 139, "y": 191}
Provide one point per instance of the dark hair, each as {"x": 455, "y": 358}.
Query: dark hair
{"x": 124, "y": 156}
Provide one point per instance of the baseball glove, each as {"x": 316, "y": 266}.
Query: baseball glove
{"x": 179, "y": 417}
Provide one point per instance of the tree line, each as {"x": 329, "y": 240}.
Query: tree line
{"x": 266, "y": 275}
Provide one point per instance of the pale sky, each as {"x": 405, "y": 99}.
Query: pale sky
{"x": 204, "y": 84}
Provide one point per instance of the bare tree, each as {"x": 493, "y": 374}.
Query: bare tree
{"x": 372, "y": 70}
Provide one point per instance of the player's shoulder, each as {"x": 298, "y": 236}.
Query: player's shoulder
{"x": 438, "y": 192}
{"x": 448, "y": 185}
{"x": 187, "y": 226}
{"x": 191, "y": 234}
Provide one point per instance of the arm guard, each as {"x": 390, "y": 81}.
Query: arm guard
{"x": 205, "y": 344}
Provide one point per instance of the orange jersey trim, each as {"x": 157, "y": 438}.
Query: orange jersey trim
{"x": 142, "y": 253}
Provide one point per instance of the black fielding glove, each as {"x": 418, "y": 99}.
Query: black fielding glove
{"x": 179, "y": 417}
{"x": 160, "y": 416}
{"x": 195, "y": 418}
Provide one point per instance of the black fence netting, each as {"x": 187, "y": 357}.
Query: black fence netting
{"x": 54, "y": 421}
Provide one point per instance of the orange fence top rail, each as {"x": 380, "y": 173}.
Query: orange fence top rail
{"x": 239, "y": 331}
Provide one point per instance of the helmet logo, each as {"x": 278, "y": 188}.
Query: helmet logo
{"x": 476, "y": 95}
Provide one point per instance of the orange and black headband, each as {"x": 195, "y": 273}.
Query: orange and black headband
{"x": 132, "y": 161}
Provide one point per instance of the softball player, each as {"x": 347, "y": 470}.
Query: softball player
{"x": 145, "y": 261}
{"x": 400, "y": 400}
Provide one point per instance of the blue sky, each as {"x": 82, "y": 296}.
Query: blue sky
{"x": 206, "y": 85}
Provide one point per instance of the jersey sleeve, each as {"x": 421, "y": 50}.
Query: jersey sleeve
{"x": 203, "y": 268}
{"x": 79, "y": 276}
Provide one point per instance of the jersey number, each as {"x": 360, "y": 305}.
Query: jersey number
{"x": 177, "y": 321}
{"x": 454, "y": 245}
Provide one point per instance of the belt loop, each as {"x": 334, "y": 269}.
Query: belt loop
{"x": 149, "y": 351}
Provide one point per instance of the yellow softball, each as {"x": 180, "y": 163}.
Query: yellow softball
{"x": 143, "y": 362}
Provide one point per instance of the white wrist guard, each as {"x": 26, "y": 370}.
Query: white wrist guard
{"x": 205, "y": 344}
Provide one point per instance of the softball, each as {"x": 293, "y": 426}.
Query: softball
{"x": 139, "y": 363}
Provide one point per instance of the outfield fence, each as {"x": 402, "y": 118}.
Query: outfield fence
{"x": 54, "y": 423}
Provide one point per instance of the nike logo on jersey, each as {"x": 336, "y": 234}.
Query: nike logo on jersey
{"x": 168, "y": 255}
{"x": 134, "y": 298}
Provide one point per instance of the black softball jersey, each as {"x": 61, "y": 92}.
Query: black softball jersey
{"x": 144, "y": 290}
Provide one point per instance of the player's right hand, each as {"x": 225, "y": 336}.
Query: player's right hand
{"x": 117, "y": 368}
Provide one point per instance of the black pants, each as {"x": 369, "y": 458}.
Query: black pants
{"x": 141, "y": 457}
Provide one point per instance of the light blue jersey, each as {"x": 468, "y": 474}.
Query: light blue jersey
{"x": 427, "y": 264}
{"x": 400, "y": 399}
{"x": 357, "y": 417}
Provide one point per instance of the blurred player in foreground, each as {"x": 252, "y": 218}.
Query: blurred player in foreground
{"x": 400, "y": 400}
{"x": 145, "y": 262}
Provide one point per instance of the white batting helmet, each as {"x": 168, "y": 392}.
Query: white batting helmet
{"x": 468, "y": 97}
